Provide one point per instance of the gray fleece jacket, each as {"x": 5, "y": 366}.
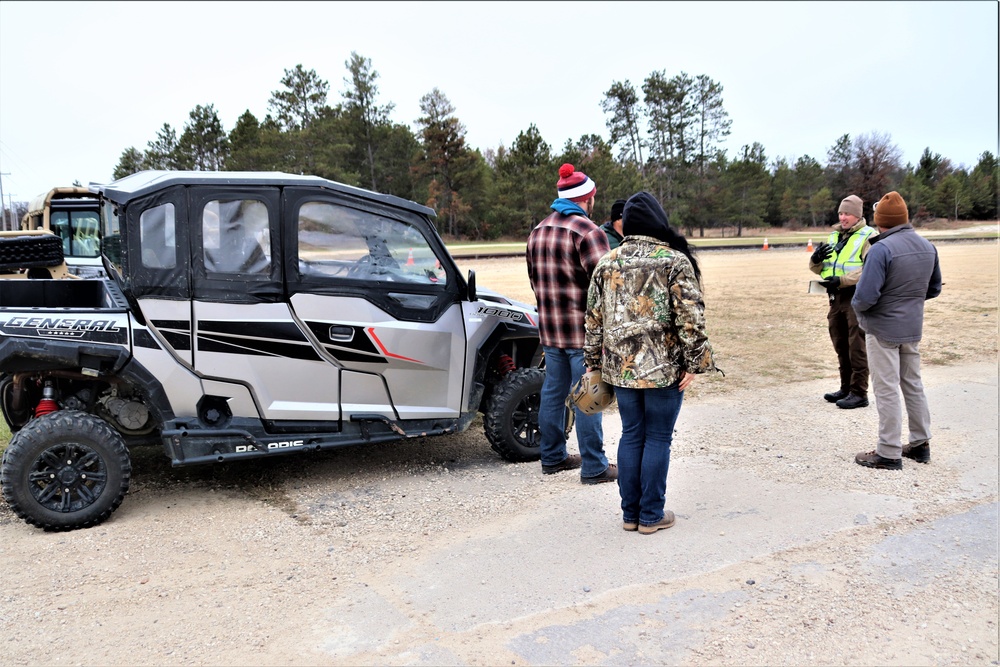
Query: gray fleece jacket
{"x": 901, "y": 271}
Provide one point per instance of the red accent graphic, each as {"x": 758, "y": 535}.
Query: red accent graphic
{"x": 371, "y": 332}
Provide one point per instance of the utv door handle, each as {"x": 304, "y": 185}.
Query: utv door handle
{"x": 341, "y": 334}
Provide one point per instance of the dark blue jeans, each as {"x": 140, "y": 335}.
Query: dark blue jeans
{"x": 562, "y": 369}
{"x": 648, "y": 418}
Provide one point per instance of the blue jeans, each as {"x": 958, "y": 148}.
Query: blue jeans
{"x": 648, "y": 418}
{"x": 562, "y": 369}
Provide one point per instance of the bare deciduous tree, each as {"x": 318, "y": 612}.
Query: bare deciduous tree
{"x": 876, "y": 161}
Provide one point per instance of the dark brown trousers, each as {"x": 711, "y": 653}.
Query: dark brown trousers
{"x": 849, "y": 343}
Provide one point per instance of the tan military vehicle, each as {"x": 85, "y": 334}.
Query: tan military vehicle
{"x": 73, "y": 215}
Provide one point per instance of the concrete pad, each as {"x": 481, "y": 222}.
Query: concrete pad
{"x": 564, "y": 584}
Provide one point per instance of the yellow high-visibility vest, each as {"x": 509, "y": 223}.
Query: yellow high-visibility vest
{"x": 849, "y": 257}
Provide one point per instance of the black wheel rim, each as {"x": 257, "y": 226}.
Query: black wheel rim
{"x": 67, "y": 477}
{"x": 524, "y": 421}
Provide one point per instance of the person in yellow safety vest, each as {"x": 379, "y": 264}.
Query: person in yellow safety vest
{"x": 838, "y": 261}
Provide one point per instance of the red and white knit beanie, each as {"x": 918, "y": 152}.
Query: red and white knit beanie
{"x": 574, "y": 185}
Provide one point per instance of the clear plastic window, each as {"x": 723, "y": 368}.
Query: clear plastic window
{"x": 79, "y": 232}
{"x": 59, "y": 224}
{"x": 342, "y": 242}
{"x": 111, "y": 237}
{"x": 236, "y": 236}
{"x": 86, "y": 241}
{"x": 157, "y": 240}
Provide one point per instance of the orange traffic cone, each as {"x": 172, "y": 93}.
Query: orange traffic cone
{"x": 765, "y": 245}
{"x": 409, "y": 260}
{"x": 809, "y": 248}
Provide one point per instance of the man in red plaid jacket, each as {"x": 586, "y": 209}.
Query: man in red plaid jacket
{"x": 562, "y": 251}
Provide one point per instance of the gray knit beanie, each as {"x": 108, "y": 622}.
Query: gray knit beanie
{"x": 852, "y": 205}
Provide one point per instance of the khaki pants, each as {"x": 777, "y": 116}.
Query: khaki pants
{"x": 895, "y": 367}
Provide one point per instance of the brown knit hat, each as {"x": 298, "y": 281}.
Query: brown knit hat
{"x": 852, "y": 205}
{"x": 890, "y": 211}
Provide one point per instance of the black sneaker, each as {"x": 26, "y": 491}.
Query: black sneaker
{"x": 609, "y": 475}
{"x": 853, "y": 401}
{"x": 919, "y": 453}
{"x": 835, "y": 396}
{"x": 571, "y": 462}
{"x": 874, "y": 460}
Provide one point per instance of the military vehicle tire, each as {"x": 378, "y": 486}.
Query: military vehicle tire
{"x": 65, "y": 470}
{"x": 26, "y": 252}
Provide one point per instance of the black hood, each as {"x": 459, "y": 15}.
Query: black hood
{"x": 643, "y": 216}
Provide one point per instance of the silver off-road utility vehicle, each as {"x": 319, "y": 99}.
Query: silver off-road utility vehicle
{"x": 250, "y": 315}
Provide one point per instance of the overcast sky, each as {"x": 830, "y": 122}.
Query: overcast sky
{"x": 82, "y": 81}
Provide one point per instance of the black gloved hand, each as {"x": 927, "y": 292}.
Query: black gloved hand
{"x": 822, "y": 251}
{"x": 831, "y": 284}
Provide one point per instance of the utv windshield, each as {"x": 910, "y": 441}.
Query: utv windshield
{"x": 79, "y": 232}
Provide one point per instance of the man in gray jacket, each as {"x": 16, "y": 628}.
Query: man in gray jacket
{"x": 901, "y": 271}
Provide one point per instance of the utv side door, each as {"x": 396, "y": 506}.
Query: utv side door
{"x": 366, "y": 283}
{"x": 243, "y": 329}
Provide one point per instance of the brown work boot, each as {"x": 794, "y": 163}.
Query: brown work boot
{"x": 919, "y": 453}
{"x": 664, "y": 523}
{"x": 874, "y": 460}
{"x": 630, "y": 526}
{"x": 571, "y": 462}
{"x": 609, "y": 475}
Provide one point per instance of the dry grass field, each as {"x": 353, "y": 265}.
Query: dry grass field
{"x": 766, "y": 330}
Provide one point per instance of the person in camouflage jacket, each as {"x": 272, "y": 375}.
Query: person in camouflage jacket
{"x": 645, "y": 332}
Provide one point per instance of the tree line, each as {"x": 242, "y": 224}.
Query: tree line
{"x": 665, "y": 136}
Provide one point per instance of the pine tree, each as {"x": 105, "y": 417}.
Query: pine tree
{"x": 365, "y": 116}
{"x": 622, "y": 103}
{"x": 161, "y": 153}
{"x": 203, "y": 145}
{"x": 446, "y": 162}
{"x": 130, "y": 162}
{"x": 299, "y": 104}
{"x": 670, "y": 111}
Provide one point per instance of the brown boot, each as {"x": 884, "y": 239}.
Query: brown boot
{"x": 919, "y": 453}
{"x": 609, "y": 475}
{"x": 571, "y": 462}
{"x": 664, "y": 523}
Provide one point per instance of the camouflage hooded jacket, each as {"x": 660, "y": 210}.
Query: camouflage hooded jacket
{"x": 645, "y": 320}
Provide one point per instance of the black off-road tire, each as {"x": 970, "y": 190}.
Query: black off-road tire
{"x": 65, "y": 470}
{"x": 511, "y": 417}
{"x": 30, "y": 251}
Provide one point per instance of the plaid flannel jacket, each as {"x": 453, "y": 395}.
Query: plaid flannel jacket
{"x": 562, "y": 252}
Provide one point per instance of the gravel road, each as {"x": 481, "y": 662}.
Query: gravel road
{"x": 437, "y": 552}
